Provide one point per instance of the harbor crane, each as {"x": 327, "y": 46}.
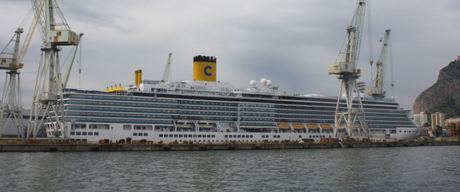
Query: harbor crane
{"x": 379, "y": 76}
{"x": 47, "y": 101}
{"x": 352, "y": 117}
{"x": 167, "y": 72}
{"x": 11, "y": 106}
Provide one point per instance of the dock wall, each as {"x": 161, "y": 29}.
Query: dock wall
{"x": 82, "y": 147}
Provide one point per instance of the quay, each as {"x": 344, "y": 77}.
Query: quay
{"x": 47, "y": 146}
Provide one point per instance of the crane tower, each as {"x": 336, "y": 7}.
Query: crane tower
{"x": 378, "y": 80}
{"x": 47, "y": 101}
{"x": 11, "y": 107}
{"x": 351, "y": 118}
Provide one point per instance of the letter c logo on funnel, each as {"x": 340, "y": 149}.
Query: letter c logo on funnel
{"x": 206, "y": 70}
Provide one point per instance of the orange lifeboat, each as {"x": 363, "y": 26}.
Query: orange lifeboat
{"x": 284, "y": 125}
{"x": 298, "y": 126}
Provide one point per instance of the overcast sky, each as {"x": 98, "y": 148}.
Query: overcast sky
{"x": 289, "y": 42}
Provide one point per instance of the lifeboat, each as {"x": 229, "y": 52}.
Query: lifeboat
{"x": 298, "y": 126}
{"x": 284, "y": 125}
{"x": 207, "y": 124}
{"x": 326, "y": 126}
{"x": 312, "y": 126}
{"x": 184, "y": 124}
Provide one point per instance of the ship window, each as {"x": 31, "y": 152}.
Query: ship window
{"x": 213, "y": 136}
{"x": 72, "y": 133}
{"x": 199, "y": 136}
{"x": 180, "y": 135}
{"x": 78, "y": 133}
{"x": 250, "y": 136}
{"x": 300, "y": 136}
{"x": 146, "y": 134}
{"x": 134, "y": 134}
{"x": 170, "y": 135}
{"x": 80, "y": 126}
{"x": 126, "y": 127}
{"x": 96, "y": 133}
{"x": 99, "y": 126}
{"x": 175, "y": 135}
{"x": 166, "y": 135}
{"x": 226, "y": 136}
{"x": 190, "y": 136}
{"x": 90, "y": 133}
{"x": 185, "y": 136}
{"x": 161, "y": 135}
{"x": 230, "y": 136}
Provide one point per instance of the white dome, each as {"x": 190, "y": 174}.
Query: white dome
{"x": 263, "y": 81}
{"x": 253, "y": 83}
{"x": 269, "y": 83}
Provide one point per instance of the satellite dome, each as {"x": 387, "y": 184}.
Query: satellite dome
{"x": 263, "y": 81}
{"x": 269, "y": 83}
{"x": 253, "y": 83}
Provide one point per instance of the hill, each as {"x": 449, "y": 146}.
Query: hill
{"x": 444, "y": 95}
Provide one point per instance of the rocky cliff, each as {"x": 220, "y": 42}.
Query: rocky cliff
{"x": 444, "y": 95}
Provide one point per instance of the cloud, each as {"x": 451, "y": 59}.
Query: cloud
{"x": 288, "y": 42}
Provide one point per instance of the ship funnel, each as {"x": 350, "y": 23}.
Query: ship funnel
{"x": 139, "y": 77}
{"x": 136, "y": 73}
{"x": 204, "y": 68}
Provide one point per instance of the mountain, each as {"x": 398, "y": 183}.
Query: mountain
{"x": 444, "y": 95}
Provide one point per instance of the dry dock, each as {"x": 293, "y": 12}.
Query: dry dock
{"x": 46, "y": 146}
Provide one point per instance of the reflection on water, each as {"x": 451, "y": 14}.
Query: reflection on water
{"x": 370, "y": 169}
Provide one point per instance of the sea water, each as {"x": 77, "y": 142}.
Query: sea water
{"x": 426, "y": 168}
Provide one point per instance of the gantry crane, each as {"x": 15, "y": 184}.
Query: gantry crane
{"x": 352, "y": 116}
{"x": 47, "y": 101}
{"x": 167, "y": 72}
{"x": 11, "y": 107}
{"x": 378, "y": 78}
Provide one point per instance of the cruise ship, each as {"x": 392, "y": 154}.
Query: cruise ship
{"x": 206, "y": 110}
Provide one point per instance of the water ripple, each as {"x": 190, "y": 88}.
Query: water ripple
{"x": 370, "y": 169}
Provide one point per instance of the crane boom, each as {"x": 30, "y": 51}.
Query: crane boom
{"x": 347, "y": 58}
{"x": 38, "y": 9}
{"x": 165, "y": 78}
{"x": 379, "y": 77}
{"x": 66, "y": 76}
